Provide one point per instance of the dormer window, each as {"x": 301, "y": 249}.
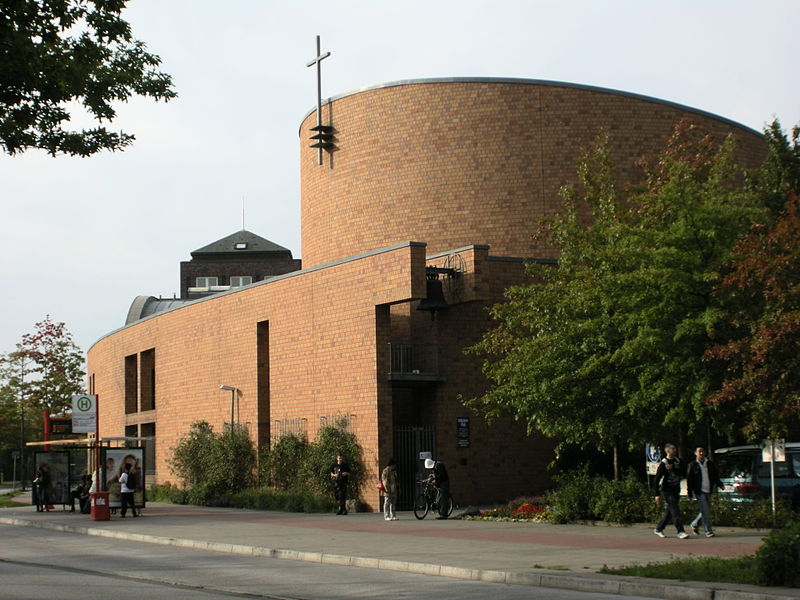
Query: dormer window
{"x": 240, "y": 245}
{"x": 240, "y": 280}
{"x": 206, "y": 282}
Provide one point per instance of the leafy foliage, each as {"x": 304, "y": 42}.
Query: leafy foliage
{"x": 777, "y": 559}
{"x": 762, "y": 376}
{"x": 218, "y": 469}
{"x": 623, "y": 501}
{"x": 780, "y": 174}
{"x": 211, "y": 463}
{"x": 331, "y": 440}
{"x": 608, "y": 346}
{"x": 191, "y": 457}
{"x": 284, "y": 461}
{"x": 254, "y": 499}
{"x": 55, "y": 52}
{"x": 51, "y": 367}
{"x": 572, "y": 498}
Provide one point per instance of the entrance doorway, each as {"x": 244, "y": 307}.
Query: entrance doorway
{"x": 409, "y": 441}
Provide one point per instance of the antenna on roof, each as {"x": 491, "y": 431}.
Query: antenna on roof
{"x": 243, "y": 213}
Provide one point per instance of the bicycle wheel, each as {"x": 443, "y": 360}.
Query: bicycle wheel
{"x": 421, "y": 506}
{"x": 449, "y": 507}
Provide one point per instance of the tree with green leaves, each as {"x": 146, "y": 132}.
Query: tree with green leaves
{"x": 606, "y": 348}
{"x": 51, "y": 367}
{"x": 780, "y": 174}
{"x": 56, "y": 52}
{"x": 10, "y": 413}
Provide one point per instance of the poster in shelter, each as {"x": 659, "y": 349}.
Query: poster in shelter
{"x": 53, "y": 469}
{"x": 113, "y": 462}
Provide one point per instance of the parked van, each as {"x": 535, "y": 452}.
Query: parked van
{"x": 746, "y": 476}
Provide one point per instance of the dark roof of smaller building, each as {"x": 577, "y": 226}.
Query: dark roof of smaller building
{"x": 242, "y": 243}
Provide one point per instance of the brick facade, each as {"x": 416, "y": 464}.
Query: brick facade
{"x": 451, "y": 175}
{"x": 475, "y": 161}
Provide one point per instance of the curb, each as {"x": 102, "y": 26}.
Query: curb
{"x": 605, "y": 584}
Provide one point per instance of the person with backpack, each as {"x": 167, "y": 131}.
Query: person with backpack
{"x": 668, "y": 478}
{"x": 127, "y": 487}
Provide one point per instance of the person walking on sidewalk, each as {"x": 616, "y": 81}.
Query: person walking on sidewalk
{"x": 668, "y": 478}
{"x": 389, "y": 480}
{"x": 701, "y": 479}
{"x": 340, "y": 473}
{"x": 126, "y": 489}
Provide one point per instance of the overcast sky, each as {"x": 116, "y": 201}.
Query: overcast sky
{"x": 83, "y": 236}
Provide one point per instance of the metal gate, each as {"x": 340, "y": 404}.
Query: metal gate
{"x": 408, "y": 443}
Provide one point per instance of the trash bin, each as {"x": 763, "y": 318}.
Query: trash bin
{"x": 99, "y": 510}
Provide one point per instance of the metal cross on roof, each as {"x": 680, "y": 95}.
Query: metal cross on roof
{"x": 319, "y": 128}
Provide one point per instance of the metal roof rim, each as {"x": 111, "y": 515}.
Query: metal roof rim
{"x": 334, "y": 263}
{"x": 523, "y": 81}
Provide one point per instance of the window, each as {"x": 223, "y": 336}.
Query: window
{"x": 149, "y": 430}
{"x": 240, "y": 280}
{"x": 241, "y": 245}
{"x": 204, "y": 282}
{"x": 147, "y": 380}
{"x": 131, "y": 384}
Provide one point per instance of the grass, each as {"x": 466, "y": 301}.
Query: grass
{"x": 6, "y": 499}
{"x": 701, "y": 568}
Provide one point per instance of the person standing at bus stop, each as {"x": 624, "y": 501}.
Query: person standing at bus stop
{"x": 127, "y": 487}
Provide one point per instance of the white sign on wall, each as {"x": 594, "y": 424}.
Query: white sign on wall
{"x": 84, "y": 413}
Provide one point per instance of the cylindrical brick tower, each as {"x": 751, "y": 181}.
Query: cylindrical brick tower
{"x": 454, "y": 162}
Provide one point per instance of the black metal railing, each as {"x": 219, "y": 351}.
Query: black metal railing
{"x": 414, "y": 362}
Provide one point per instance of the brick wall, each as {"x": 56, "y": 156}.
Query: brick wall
{"x": 458, "y": 163}
{"x": 322, "y": 353}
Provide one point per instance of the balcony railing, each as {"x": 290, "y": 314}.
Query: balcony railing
{"x": 414, "y": 362}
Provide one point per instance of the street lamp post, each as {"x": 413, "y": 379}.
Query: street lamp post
{"x": 232, "y": 390}
{"x": 22, "y": 421}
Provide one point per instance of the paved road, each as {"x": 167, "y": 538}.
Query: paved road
{"x": 34, "y": 562}
{"x": 554, "y": 556}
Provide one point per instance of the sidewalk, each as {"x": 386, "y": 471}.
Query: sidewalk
{"x": 559, "y": 556}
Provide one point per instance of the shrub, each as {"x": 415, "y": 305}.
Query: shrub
{"x": 219, "y": 469}
{"x": 211, "y": 464}
{"x": 757, "y": 514}
{"x": 167, "y": 492}
{"x": 191, "y": 457}
{"x": 284, "y": 463}
{"x": 624, "y": 501}
{"x": 322, "y": 454}
{"x": 778, "y": 558}
{"x": 233, "y": 461}
{"x": 572, "y": 498}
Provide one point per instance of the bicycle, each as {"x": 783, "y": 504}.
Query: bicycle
{"x": 426, "y": 501}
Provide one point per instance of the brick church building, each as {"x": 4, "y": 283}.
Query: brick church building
{"x": 426, "y": 197}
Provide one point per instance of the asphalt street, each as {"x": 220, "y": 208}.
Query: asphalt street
{"x": 34, "y": 562}
{"x": 536, "y": 555}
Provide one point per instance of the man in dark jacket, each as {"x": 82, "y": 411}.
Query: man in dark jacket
{"x": 701, "y": 479}
{"x": 340, "y": 473}
{"x": 668, "y": 478}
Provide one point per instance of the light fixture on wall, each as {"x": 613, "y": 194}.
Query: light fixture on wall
{"x": 232, "y": 390}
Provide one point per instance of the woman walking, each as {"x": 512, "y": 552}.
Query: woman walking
{"x": 389, "y": 479}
